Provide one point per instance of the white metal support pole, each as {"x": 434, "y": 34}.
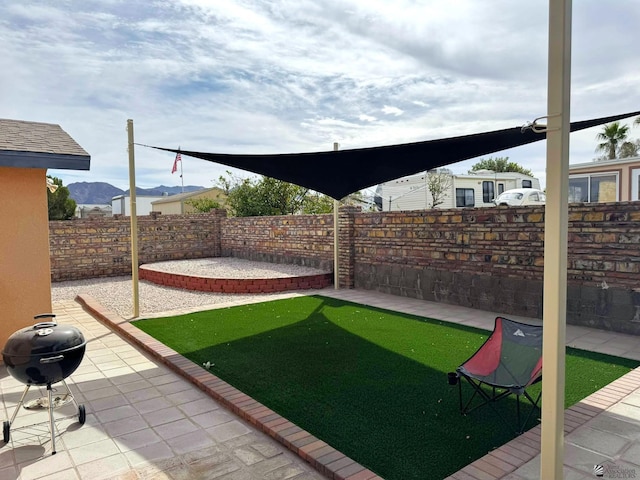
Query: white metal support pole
{"x": 134, "y": 222}
{"x": 555, "y": 240}
{"x": 336, "y": 250}
{"x": 426, "y": 189}
{"x": 181, "y": 174}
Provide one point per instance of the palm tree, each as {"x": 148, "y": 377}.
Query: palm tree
{"x": 612, "y": 136}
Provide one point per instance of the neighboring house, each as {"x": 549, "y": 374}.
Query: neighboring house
{"x": 92, "y": 211}
{"x": 472, "y": 190}
{"x": 121, "y": 204}
{"x": 180, "y": 203}
{"x": 616, "y": 180}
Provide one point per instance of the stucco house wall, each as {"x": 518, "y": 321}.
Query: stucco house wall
{"x": 25, "y": 288}
{"x": 179, "y": 204}
{"x": 27, "y": 150}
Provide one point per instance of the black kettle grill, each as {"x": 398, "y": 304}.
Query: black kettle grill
{"x": 42, "y": 355}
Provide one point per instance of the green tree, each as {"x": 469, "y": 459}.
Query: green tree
{"x": 250, "y": 197}
{"x": 629, "y": 149}
{"x": 203, "y": 205}
{"x": 61, "y": 207}
{"x": 500, "y": 164}
{"x": 317, "y": 203}
{"x": 611, "y": 138}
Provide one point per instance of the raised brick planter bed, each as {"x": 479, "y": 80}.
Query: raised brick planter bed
{"x": 236, "y": 285}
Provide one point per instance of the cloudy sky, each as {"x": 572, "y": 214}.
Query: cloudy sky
{"x": 281, "y": 76}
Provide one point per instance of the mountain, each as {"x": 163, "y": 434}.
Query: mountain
{"x": 101, "y": 193}
{"x": 93, "y": 192}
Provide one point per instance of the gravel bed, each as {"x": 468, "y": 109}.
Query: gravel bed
{"x": 230, "y": 267}
{"x": 115, "y": 293}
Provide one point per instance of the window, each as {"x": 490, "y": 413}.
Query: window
{"x": 526, "y": 184}
{"x": 593, "y": 188}
{"x": 604, "y": 188}
{"x": 488, "y": 192}
{"x": 578, "y": 189}
{"x": 500, "y": 188}
{"x": 465, "y": 197}
{"x": 635, "y": 184}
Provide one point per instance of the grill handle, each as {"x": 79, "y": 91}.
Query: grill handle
{"x": 51, "y": 323}
{"x": 55, "y": 359}
{"x": 40, "y": 325}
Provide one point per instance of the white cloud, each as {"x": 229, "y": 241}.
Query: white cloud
{"x": 387, "y": 110}
{"x": 242, "y": 76}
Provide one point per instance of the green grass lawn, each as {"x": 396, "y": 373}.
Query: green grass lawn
{"x": 371, "y": 383}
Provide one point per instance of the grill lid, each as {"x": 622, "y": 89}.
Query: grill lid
{"x": 43, "y": 339}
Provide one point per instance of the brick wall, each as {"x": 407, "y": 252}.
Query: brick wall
{"x": 101, "y": 247}
{"x": 492, "y": 259}
{"x": 480, "y": 258}
{"x": 485, "y": 258}
{"x": 296, "y": 239}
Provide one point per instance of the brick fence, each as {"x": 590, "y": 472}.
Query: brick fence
{"x": 485, "y": 258}
{"x": 101, "y": 247}
{"x": 492, "y": 259}
{"x": 297, "y": 239}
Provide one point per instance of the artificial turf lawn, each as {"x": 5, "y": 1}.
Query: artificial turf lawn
{"x": 370, "y": 382}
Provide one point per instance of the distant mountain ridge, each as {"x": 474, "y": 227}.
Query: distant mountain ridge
{"x": 101, "y": 193}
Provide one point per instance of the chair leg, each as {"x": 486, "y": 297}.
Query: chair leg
{"x": 494, "y": 396}
{"x": 534, "y": 407}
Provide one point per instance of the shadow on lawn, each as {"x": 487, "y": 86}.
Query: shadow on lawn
{"x": 391, "y": 413}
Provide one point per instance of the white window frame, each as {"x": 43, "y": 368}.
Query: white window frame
{"x": 635, "y": 184}
{"x": 589, "y": 176}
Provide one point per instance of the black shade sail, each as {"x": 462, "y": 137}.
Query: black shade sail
{"x": 339, "y": 173}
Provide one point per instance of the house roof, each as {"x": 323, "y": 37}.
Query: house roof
{"x": 39, "y": 145}
{"x": 603, "y": 163}
{"x": 184, "y": 196}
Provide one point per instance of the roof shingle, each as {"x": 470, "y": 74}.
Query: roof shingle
{"x": 23, "y": 136}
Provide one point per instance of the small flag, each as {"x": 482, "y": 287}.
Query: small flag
{"x": 175, "y": 163}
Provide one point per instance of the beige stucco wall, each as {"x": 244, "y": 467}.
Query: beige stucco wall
{"x": 175, "y": 208}
{"x": 25, "y": 278}
{"x": 168, "y": 208}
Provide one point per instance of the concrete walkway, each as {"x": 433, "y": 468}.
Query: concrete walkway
{"x": 151, "y": 415}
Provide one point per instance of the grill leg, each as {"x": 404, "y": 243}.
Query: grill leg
{"x": 15, "y": 414}
{"x": 73, "y": 400}
{"x": 51, "y": 424}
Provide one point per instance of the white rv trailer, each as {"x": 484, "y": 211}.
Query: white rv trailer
{"x": 472, "y": 190}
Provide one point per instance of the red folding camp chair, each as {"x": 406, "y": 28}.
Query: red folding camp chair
{"x": 508, "y": 362}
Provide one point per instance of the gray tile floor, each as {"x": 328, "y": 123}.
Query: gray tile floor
{"x": 145, "y": 422}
